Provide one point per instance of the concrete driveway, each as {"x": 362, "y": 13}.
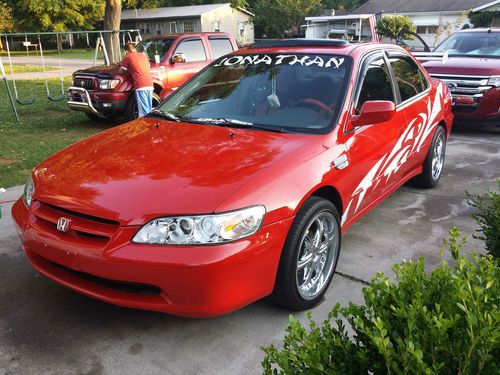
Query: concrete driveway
{"x": 46, "y": 329}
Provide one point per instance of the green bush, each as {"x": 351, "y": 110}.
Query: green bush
{"x": 442, "y": 322}
{"x": 488, "y": 219}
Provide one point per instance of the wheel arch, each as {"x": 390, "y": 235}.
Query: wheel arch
{"x": 331, "y": 194}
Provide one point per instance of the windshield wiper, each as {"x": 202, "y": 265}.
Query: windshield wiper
{"x": 220, "y": 121}
{"x": 235, "y": 123}
{"x": 164, "y": 115}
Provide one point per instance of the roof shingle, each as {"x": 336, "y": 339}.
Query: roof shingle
{"x": 406, "y": 6}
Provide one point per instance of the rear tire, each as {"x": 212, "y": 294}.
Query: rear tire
{"x": 433, "y": 163}
{"x": 309, "y": 256}
{"x": 131, "y": 112}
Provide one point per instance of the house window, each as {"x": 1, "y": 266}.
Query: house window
{"x": 216, "y": 26}
{"x": 145, "y": 28}
{"x": 173, "y": 27}
{"x": 159, "y": 28}
{"x": 421, "y": 29}
{"x": 188, "y": 26}
{"x": 241, "y": 28}
{"x": 432, "y": 29}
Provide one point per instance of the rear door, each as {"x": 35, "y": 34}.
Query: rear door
{"x": 414, "y": 91}
{"x": 372, "y": 149}
{"x": 197, "y": 57}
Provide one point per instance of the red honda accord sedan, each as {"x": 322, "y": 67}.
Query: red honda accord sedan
{"x": 239, "y": 185}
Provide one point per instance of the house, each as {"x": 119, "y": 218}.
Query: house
{"x": 435, "y": 19}
{"x": 352, "y": 27}
{"x": 195, "y": 18}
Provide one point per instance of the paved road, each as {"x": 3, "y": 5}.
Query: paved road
{"x": 46, "y": 329}
{"x": 68, "y": 66}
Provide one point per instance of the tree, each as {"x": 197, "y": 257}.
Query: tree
{"x": 56, "y": 15}
{"x": 483, "y": 19}
{"x": 6, "y": 20}
{"x": 112, "y": 19}
{"x": 274, "y": 18}
{"x": 391, "y": 26}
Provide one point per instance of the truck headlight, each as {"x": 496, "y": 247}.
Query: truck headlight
{"x": 202, "y": 229}
{"x": 494, "y": 81}
{"x": 108, "y": 84}
{"x": 29, "y": 190}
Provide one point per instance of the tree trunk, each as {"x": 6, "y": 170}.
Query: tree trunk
{"x": 112, "y": 16}
{"x": 59, "y": 42}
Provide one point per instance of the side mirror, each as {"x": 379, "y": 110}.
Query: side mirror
{"x": 178, "y": 58}
{"x": 375, "y": 112}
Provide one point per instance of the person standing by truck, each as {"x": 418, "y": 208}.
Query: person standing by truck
{"x": 137, "y": 64}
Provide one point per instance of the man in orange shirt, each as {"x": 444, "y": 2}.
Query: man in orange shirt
{"x": 137, "y": 64}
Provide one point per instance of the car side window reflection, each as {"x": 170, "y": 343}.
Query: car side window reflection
{"x": 376, "y": 84}
{"x": 408, "y": 77}
{"x": 192, "y": 49}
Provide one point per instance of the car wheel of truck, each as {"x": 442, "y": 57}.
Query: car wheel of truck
{"x": 132, "y": 112}
{"x": 434, "y": 162}
{"x": 101, "y": 118}
{"x": 310, "y": 255}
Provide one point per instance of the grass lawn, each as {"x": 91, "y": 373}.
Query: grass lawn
{"x": 45, "y": 128}
{"x": 65, "y": 54}
{"x": 26, "y": 68}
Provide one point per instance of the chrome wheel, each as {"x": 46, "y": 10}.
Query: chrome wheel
{"x": 438, "y": 156}
{"x": 317, "y": 254}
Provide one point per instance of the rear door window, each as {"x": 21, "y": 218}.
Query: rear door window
{"x": 409, "y": 78}
{"x": 220, "y": 47}
{"x": 192, "y": 49}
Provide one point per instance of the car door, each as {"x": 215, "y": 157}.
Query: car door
{"x": 371, "y": 148}
{"x": 196, "y": 57}
{"x": 413, "y": 89}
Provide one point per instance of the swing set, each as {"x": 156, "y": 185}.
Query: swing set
{"x": 127, "y": 36}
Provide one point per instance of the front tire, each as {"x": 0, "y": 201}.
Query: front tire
{"x": 309, "y": 256}
{"x": 132, "y": 112}
{"x": 434, "y": 162}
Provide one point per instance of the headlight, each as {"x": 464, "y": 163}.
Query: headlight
{"x": 494, "y": 81}
{"x": 29, "y": 190}
{"x": 108, "y": 84}
{"x": 203, "y": 229}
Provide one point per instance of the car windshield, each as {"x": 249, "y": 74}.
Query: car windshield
{"x": 155, "y": 47}
{"x": 290, "y": 93}
{"x": 473, "y": 44}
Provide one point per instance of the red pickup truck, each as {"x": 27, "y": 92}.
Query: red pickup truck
{"x": 469, "y": 63}
{"x": 103, "y": 93}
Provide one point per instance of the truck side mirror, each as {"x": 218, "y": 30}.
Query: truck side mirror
{"x": 178, "y": 58}
{"x": 375, "y": 112}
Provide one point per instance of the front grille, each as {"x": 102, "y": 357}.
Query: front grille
{"x": 465, "y": 86}
{"x": 84, "y": 82}
{"x": 83, "y": 229}
{"x": 121, "y": 286}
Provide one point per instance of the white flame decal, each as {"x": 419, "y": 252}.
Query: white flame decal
{"x": 412, "y": 140}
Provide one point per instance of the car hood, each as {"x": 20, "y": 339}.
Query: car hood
{"x": 464, "y": 66}
{"x": 150, "y": 168}
{"x": 104, "y": 71}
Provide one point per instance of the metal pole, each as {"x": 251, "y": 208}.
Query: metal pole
{"x": 8, "y": 91}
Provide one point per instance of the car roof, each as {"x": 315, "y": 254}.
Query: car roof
{"x": 318, "y": 46}
{"x": 481, "y": 29}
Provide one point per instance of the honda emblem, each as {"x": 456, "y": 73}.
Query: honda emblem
{"x": 63, "y": 224}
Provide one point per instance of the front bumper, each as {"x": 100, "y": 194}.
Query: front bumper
{"x": 487, "y": 110}
{"x": 80, "y": 99}
{"x": 194, "y": 281}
